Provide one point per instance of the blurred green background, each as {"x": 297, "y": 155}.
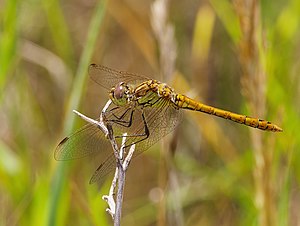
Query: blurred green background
{"x": 238, "y": 55}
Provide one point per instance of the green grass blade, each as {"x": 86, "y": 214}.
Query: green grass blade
{"x": 8, "y": 38}
{"x": 75, "y": 98}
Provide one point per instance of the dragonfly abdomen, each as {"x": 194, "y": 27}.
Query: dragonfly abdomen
{"x": 187, "y": 103}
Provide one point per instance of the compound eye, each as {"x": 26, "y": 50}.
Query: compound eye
{"x": 119, "y": 91}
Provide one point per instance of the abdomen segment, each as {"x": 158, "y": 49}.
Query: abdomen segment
{"x": 188, "y": 103}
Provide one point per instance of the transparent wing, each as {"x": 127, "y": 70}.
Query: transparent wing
{"x": 161, "y": 119}
{"x": 105, "y": 168}
{"x": 86, "y": 141}
{"x": 108, "y": 78}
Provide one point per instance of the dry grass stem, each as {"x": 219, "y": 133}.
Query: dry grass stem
{"x": 253, "y": 83}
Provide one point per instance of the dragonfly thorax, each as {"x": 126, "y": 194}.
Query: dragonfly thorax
{"x": 120, "y": 94}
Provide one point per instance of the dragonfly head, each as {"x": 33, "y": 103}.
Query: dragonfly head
{"x": 120, "y": 94}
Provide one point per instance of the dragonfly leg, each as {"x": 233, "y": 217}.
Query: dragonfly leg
{"x": 127, "y": 123}
{"x": 120, "y": 119}
{"x": 144, "y": 135}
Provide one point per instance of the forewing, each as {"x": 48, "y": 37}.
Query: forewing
{"x": 161, "y": 119}
{"x": 86, "y": 141}
{"x": 108, "y": 78}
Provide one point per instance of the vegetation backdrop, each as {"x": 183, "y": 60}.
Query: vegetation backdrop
{"x": 239, "y": 55}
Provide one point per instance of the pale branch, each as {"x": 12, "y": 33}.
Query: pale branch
{"x": 100, "y": 123}
{"x": 110, "y": 197}
{"x": 114, "y": 208}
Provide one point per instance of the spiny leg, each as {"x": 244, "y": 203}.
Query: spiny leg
{"x": 144, "y": 135}
{"x": 120, "y": 119}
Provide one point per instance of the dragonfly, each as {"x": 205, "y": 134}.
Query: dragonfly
{"x": 143, "y": 108}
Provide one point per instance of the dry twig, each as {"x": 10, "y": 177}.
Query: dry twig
{"x": 115, "y": 206}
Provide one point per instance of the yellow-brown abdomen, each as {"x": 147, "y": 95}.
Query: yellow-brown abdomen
{"x": 187, "y": 103}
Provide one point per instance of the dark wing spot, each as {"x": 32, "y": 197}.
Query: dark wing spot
{"x": 63, "y": 141}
